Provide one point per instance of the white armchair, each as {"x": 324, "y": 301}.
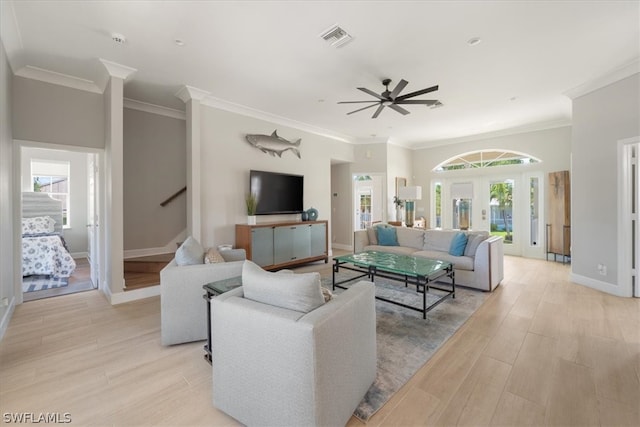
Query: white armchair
{"x": 275, "y": 366}
{"x": 183, "y": 311}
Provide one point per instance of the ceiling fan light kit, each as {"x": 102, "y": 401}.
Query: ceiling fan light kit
{"x": 393, "y": 99}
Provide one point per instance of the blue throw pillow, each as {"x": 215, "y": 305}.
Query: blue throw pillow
{"x": 458, "y": 243}
{"x": 387, "y": 236}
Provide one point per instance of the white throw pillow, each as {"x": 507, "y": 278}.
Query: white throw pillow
{"x": 190, "y": 252}
{"x": 38, "y": 225}
{"x": 299, "y": 292}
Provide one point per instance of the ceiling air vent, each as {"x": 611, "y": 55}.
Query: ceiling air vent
{"x": 336, "y": 36}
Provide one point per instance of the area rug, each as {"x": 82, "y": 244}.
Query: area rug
{"x": 406, "y": 341}
{"x": 38, "y": 282}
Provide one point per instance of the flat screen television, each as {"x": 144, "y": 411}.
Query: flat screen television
{"x": 277, "y": 193}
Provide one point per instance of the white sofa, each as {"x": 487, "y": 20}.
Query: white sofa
{"x": 274, "y": 366}
{"x": 481, "y": 266}
{"x": 183, "y": 311}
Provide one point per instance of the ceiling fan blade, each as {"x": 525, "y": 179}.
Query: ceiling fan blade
{"x": 399, "y": 109}
{"x": 418, "y": 101}
{"x": 378, "y": 111}
{"x": 401, "y": 85}
{"x": 355, "y": 102}
{"x": 418, "y": 92}
{"x": 370, "y": 92}
{"x": 363, "y": 108}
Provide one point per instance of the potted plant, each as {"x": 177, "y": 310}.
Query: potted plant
{"x": 399, "y": 204}
{"x": 251, "y": 200}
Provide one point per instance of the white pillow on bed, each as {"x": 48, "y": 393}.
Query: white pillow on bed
{"x": 38, "y": 225}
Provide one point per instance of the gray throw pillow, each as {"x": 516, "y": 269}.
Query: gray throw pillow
{"x": 299, "y": 292}
{"x": 474, "y": 241}
{"x": 190, "y": 252}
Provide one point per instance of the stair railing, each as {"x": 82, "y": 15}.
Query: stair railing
{"x": 170, "y": 198}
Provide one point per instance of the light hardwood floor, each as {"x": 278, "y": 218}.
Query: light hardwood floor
{"x": 540, "y": 351}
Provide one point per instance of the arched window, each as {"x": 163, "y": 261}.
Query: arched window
{"x": 485, "y": 159}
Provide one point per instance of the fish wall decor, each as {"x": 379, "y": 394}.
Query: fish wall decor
{"x": 274, "y": 144}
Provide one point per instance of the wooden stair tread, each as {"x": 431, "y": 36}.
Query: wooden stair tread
{"x": 166, "y": 258}
{"x": 147, "y": 264}
{"x": 137, "y": 280}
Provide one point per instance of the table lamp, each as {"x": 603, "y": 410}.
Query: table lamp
{"x": 409, "y": 195}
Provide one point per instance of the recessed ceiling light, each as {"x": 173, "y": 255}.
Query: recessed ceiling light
{"x": 474, "y": 41}
{"x": 179, "y": 42}
{"x": 118, "y": 38}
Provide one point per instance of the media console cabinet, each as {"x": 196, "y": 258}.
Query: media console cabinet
{"x": 284, "y": 244}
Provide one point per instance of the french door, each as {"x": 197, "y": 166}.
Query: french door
{"x": 506, "y": 205}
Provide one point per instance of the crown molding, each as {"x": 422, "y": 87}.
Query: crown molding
{"x": 35, "y": 73}
{"x": 612, "y": 76}
{"x": 187, "y": 93}
{"x": 117, "y": 70}
{"x": 132, "y": 104}
{"x": 11, "y": 36}
{"x": 221, "y": 104}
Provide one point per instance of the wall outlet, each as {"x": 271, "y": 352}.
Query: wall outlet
{"x": 602, "y": 269}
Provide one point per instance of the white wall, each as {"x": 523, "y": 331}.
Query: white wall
{"x": 7, "y": 219}
{"x": 399, "y": 164}
{"x": 227, "y": 159}
{"x": 75, "y": 234}
{"x": 552, "y": 146}
{"x": 600, "y": 119}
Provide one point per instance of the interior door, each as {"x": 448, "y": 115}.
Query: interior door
{"x": 92, "y": 226}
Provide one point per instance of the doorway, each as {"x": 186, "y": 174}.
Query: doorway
{"x": 368, "y": 197}
{"x": 628, "y": 216}
{"x": 66, "y": 175}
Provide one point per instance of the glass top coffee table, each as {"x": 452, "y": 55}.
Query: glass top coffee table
{"x": 411, "y": 270}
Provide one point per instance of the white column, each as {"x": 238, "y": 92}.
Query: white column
{"x": 112, "y": 227}
{"x": 192, "y": 98}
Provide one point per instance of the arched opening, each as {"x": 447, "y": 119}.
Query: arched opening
{"x": 495, "y": 190}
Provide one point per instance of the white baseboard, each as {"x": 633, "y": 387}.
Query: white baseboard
{"x": 341, "y": 246}
{"x": 128, "y": 296}
{"x": 76, "y": 255}
{"x": 599, "y": 285}
{"x": 168, "y": 248}
{"x": 4, "y": 322}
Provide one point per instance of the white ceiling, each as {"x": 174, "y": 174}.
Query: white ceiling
{"x": 268, "y": 56}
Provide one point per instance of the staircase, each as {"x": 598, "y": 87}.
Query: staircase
{"x": 144, "y": 271}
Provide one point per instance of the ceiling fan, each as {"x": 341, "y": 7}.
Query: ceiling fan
{"x": 393, "y": 99}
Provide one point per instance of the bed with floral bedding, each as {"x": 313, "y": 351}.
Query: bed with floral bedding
{"x": 44, "y": 251}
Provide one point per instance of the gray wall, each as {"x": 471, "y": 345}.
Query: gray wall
{"x": 76, "y": 234}
{"x": 7, "y": 220}
{"x": 600, "y": 119}
{"x": 51, "y": 113}
{"x": 341, "y": 205}
{"x": 154, "y": 169}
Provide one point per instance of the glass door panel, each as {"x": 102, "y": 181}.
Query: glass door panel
{"x": 501, "y": 210}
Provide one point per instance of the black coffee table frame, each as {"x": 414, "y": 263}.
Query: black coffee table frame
{"x": 423, "y": 283}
